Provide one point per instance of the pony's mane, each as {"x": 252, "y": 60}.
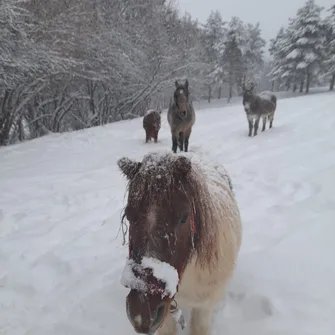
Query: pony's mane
{"x": 158, "y": 177}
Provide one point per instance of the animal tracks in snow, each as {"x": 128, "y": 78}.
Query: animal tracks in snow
{"x": 242, "y": 310}
{"x": 250, "y": 307}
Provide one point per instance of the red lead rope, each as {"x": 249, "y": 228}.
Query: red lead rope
{"x": 192, "y": 222}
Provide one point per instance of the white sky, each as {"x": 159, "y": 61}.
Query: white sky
{"x": 270, "y": 13}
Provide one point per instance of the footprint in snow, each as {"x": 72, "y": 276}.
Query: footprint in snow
{"x": 252, "y": 307}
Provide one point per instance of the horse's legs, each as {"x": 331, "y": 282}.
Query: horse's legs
{"x": 250, "y": 122}
{"x": 147, "y": 137}
{"x": 155, "y": 136}
{"x": 264, "y": 123}
{"x": 169, "y": 326}
{"x": 174, "y": 142}
{"x": 201, "y": 321}
{"x": 187, "y": 137}
{"x": 181, "y": 141}
{"x": 256, "y": 125}
{"x": 271, "y": 119}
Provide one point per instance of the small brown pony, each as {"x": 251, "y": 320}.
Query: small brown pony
{"x": 184, "y": 237}
{"x": 152, "y": 124}
{"x": 181, "y": 117}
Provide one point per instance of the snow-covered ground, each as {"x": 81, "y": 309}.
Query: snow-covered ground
{"x": 61, "y": 257}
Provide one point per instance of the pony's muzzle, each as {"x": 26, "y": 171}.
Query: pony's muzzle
{"x": 183, "y": 108}
{"x": 146, "y": 312}
{"x": 246, "y": 107}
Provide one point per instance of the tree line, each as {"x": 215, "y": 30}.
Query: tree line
{"x": 304, "y": 51}
{"x": 73, "y": 64}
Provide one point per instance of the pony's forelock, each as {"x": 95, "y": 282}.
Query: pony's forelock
{"x": 159, "y": 176}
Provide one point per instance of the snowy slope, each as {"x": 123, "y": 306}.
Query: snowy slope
{"x": 60, "y": 200}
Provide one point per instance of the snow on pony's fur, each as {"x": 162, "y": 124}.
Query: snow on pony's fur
{"x": 182, "y": 211}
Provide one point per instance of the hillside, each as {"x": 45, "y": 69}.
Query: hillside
{"x": 61, "y": 257}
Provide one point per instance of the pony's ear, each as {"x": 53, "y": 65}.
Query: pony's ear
{"x": 186, "y": 84}
{"x": 252, "y": 86}
{"x": 183, "y": 165}
{"x": 243, "y": 86}
{"x": 128, "y": 167}
{"x": 176, "y": 83}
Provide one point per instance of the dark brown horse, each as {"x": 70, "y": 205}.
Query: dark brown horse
{"x": 258, "y": 106}
{"x": 181, "y": 117}
{"x": 152, "y": 124}
{"x": 184, "y": 238}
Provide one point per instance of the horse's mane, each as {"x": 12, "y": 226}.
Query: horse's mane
{"x": 162, "y": 174}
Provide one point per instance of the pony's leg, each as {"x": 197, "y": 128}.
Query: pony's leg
{"x": 250, "y": 122}
{"x": 271, "y": 120}
{"x": 155, "y": 136}
{"x": 147, "y": 137}
{"x": 169, "y": 326}
{"x": 187, "y": 137}
{"x": 264, "y": 123}
{"x": 174, "y": 142}
{"x": 200, "y": 323}
{"x": 256, "y": 125}
{"x": 181, "y": 141}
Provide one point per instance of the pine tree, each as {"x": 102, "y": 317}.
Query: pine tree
{"x": 253, "y": 52}
{"x": 308, "y": 40}
{"x": 330, "y": 47}
{"x": 283, "y": 71}
{"x": 212, "y": 35}
{"x": 230, "y": 49}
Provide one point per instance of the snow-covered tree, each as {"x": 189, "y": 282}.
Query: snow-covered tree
{"x": 234, "y": 53}
{"x": 253, "y": 51}
{"x": 26, "y": 64}
{"x": 67, "y": 65}
{"x": 308, "y": 37}
{"x": 298, "y": 51}
{"x": 330, "y": 47}
{"x": 283, "y": 69}
{"x": 74, "y": 64}
{"x": 231, "y": 66}
{"x": 213, "y": 33}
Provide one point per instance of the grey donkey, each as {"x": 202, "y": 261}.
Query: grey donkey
{"x": 258, "y": 106}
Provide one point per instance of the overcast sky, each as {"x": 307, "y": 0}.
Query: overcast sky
{"x": 271, "y": 14}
